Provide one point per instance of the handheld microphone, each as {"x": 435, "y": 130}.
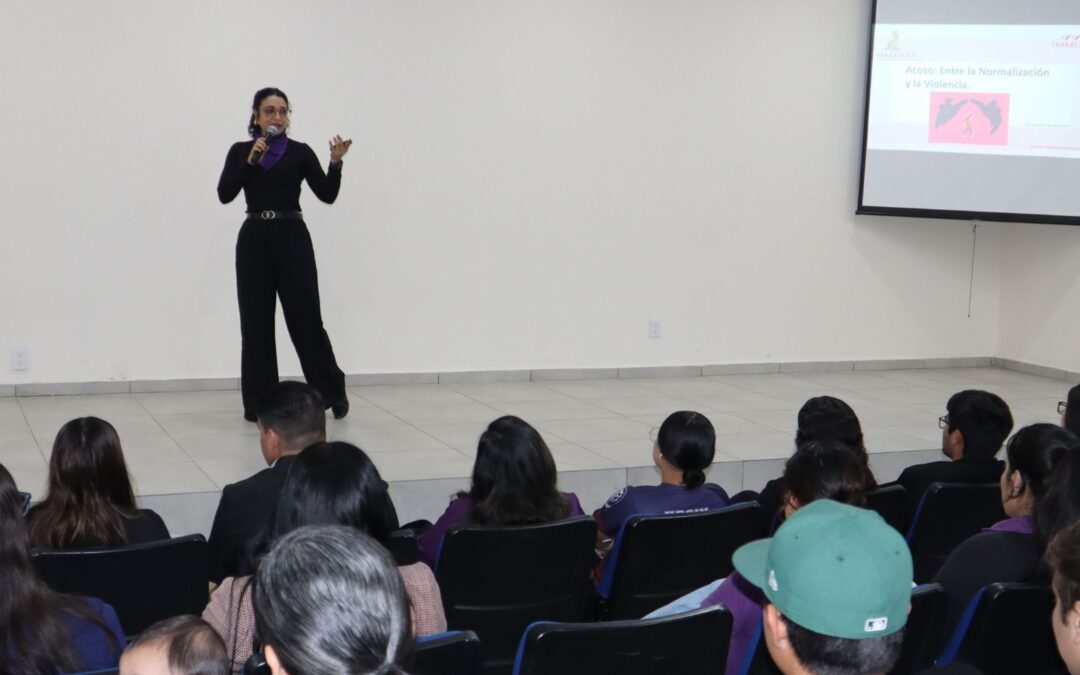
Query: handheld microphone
{"x": 271, "y": 131}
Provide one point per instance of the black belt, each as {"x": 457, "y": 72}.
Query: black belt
{"x": 275, "y": 215}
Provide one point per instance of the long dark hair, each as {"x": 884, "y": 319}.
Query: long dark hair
{"x": 827, "y": 469}
{"x": 334, "y": 483}
{"x": 825, "y": 418}
{"x": 89, "y": 491}
{"x": 1043, "y": 454}
{"x": 254, "y": 130}
{"x": 514, "y": 481}
{"x": 33, "y": 633}
{"x": 687, "y": 440}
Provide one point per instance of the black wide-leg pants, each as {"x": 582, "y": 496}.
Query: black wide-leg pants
{"x": 275, "y": 259}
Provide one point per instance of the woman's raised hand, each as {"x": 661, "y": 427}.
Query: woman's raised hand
{"x": 338, "y": 148}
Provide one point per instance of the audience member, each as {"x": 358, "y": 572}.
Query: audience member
{"x": 182, "y": 645}
{"x": 1063, "y": 558}
{"x": 976, "y": 425}
{"x": 329, "y": 600}
{"x": 683, "y": 448}
{"x": 44, "y": 632}
{"x": 1039, "y": 496}
{"x": 328, "y": 484}
{"x": 822, "y": 418}
{"x": 1071, "y": 421}
{"x": 818, "y": 470}
{"x": 837, "y": 583}
{"x": 90, "y": 501}
{"x": 290, "y": 418}
{"x": 514, "y": 482}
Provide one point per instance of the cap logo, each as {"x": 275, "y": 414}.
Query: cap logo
{"x": 772, "y": 581}
{"x": 876, "y": 625}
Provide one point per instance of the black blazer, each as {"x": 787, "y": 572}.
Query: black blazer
{"x": 916, "y": 479}
{"x": 244, "y": 511}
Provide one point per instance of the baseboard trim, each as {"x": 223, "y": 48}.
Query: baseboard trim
{"x": 544, "y": 375}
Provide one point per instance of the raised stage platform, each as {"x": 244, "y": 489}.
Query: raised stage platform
{"x": 183, "y": 447}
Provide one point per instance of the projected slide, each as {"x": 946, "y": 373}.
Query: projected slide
{"x": 993, "y": 90}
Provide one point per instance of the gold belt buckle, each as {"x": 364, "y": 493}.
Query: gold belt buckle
{"x": 268, "y": 215}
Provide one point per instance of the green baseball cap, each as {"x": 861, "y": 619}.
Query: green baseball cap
{"x": 834, "y": 569}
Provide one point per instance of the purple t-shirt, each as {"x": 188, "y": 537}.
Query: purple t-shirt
{"x": 745, "y": 602}
{"x": 664, "y": 499}
{"x": 456, "y": 513}
{"x": 1020, "y": 524}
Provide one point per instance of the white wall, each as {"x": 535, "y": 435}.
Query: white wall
{"x": 1040, "y": 295}
{"x": 531, "y": 181}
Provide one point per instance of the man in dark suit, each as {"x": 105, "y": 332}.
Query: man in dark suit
{"x": 976, "y": 425}
{"x": 290, "y": 418}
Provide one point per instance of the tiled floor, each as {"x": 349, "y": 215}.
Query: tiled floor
{"x": 422, "y": 437}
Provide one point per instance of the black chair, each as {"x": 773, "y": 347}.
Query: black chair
{"x": 144, "y": 583}
{"x": 403, "y": 547}
{"x": 657, "y": 559}
{"x": 498, "y": 580}
{"x": 922, "y": 633}
{"x": 948, "y": 514}
{"x": 694, "y": 643}
{"x": 453, "y": 653}
{"x": 891, "y": 504}
{"x": 1005, "y": 630}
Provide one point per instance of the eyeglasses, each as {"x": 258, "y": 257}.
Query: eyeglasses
{"x": 1062, "y": 406}
{"x": 654, "y": 433}
{"x": 270, "y": 112}
{"x": 943, "y": 422}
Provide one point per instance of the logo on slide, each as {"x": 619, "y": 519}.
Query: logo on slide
{"x": 893, "y": 50}
{"x": 969, "y": 119}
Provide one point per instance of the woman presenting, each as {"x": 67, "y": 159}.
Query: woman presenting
{"x": 274, "y": 257}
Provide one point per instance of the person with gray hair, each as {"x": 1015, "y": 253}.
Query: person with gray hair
{"x": 329, "y": 599}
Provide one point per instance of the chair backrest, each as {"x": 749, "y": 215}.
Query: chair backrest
{"x": 1006, "y": 629}
{"x": 452, "y": 653}
{"x": 144, "y": 583}
{"x": 403, "y": 547}
{"x": 498, "y": 580}
{"x": 694, "y": 643}
{"x": 923, "y": 631}
{"x": 891, "y": 503}
{"x": 657, "y": 559}
{"x": 948, "y": 514}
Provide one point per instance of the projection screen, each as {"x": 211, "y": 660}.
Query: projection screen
{"x": 973, "y": 111}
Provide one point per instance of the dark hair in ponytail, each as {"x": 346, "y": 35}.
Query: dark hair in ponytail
{"x": 1044, "y": 455}
{"x": 687, "y": 440}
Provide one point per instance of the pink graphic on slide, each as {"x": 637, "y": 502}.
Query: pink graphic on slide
{"x": 971, "y": 119}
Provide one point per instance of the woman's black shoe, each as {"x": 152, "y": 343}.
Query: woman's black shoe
{"x": 340, "y": 409}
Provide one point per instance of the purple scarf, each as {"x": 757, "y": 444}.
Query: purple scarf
{"x": 275, "y": 150}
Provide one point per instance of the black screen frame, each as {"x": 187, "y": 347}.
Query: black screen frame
{"x": 947, "y": 214}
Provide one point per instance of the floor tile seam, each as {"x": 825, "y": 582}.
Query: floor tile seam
{"x": 690, "y": 404}
{"x": 529, "y": 383}
{"x": 33, "y": 434}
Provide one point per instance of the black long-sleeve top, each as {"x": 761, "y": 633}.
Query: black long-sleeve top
{"x": 277, "y": 188}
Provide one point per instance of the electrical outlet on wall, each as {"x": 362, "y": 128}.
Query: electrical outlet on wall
{"x": 656, "y": 329}
{"x": 20, "y": 358}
